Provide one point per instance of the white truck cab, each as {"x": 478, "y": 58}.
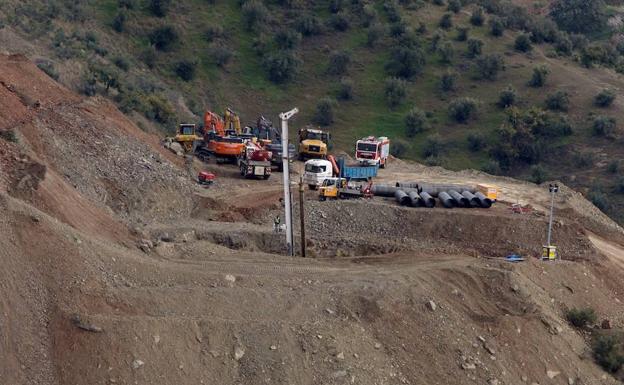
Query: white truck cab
{"x": 316, "y": 171}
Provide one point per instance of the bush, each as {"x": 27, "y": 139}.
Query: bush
{"x": 395, "y": 91}
{"x": 281, "y": 66}
{"x": 488, "y": 66}
{"x": 523, "y": 43}
{"x": 213, "y": 32}
{"x": 287, "y": 39}
{"x": 581, "y": 318}
{"x": 148, "y": 56}
{"x": 613, "y": 167}
{"x": 415, "y": 122}
{"x": 339, "y": 22}
{"x": 374, "y": 33}
{"x": 446, "y": 22}
{"x": 398, "y": 29}
{"x": 164, "y": 38}
{"x": 538, "y": 79}
{"x": 619, "y": 186}
{"x": 433, "y": 146}
{"x": 448, "y": 82}
{"x": 128, "y": 4}
{"x": 507, "y": 97}
{"x": 398, "y": 148}
{"x": 186, "y": 69}
{"x": 159, "y": 8}
{"x": 119, "y": 22}
{"x": 254, "y": 14}
{"x": 159, "y": 109}
{"x": 335, "y": 6}
{"x": 438, "y": 2}
{"x": 324, "y": 114}
{"x": 49, "y": 69}
{"x": 476, "y": 142}
{"x": 604, "y": 99}
{"x": 603, "y": 126}
{"x": 607, "y": 354}
{"x": 475, "y": 47}
{"x": 446, "y": 52}
{"x": 345, "y": 89}
{"x": 598, "y": 198}
{"x": 339, "y": 63}
{"x": 9, "y": 136}
{"x": 454, "y": 6}
{"x": 538, "y": 174}
{"x": 121, "y": 63}
{"x": 558, "y": 101}
{"x": 462, "y": 109}
{"x": 405, "y": 62}
{"x": 462, "y": 34}
{"x": 497, "y": 28}
{"x": 564, "y": 45}
{"x": 477, "y": 17}
{"x": 309, "y": 25}
{"x": 579, "y": 15}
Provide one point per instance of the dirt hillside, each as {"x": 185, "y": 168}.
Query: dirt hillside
{"x": 118, "y": 269}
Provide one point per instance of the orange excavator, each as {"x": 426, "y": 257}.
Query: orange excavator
{"x": 222, "y": 137}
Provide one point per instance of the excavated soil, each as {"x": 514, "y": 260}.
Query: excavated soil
{"x": 119, "y": 269}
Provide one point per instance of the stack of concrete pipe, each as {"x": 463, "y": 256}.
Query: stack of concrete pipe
{"x": 422, "y": 195}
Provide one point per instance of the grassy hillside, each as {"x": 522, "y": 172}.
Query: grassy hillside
{"x": 218, "y": 52}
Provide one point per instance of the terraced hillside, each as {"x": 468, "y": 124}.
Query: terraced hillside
{"x": 401, "y": 69}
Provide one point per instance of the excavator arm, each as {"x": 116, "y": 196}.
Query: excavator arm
{"x": 232, "y": 121}
{"x": 213, "y": 123}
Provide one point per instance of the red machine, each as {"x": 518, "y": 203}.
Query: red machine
{"x": 373, "y": 151}
{"x": 205, "y": 178}
{"x": 255, "y": 161}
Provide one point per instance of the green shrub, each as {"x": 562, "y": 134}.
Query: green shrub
{"x": 9, "y": 136}
{"x": 339, "y": 63}
{"x": 462, "y": 34}
{"x": 454, "y": 6}
{"x": 608, "y": 354}
{"x": 119, "y": 22}
{"x": 186, "y": 70}
{"x": 497, "y": 28}
{"x": 540, "y": 74}
{"x": 507, "y": 97}
{"x": 324, "y": 114}
{"x": 287, "y": 39}
{"x": 603, "y": 126}
{"x": 488, "y": 66}
{"x": 523, "y": 43}
{"x": 213, "y": 32}
{"x": 563, "y": 45}
{"x": 309, "y": 25}
{"x": 254, "y": 14}
{"x": 405, "y": 62}
{"x": 374, "y": 33}
{"x": 581, "y": 318}
{"x": 598, "y": 198}
{"x": 395, "y": 90}
{"x": 398, "y": 29}
{"x": 579, "y": 15}
{"x": 335, "y": 6}
{"x": 447, "y": 53}
{"x": 433, "y": 146}
{"x": 339, "y": 22}
{"x": 369, "y": 15}
{"x": 121, "y": 62}
{"x": 558, "y": 101}
{"x": 477, "y": 17}
{"x": 159, "y": 8}
{"x": 159, "y": 109}
{"x": 438, "y": 2}
{"x": 446, "y": 22}
{"x": 448, "y": 82}
{"x": 345, "y": 89}
{"x": 538, "y": 174}
{"x": 476, "y": 142}
{"x": 281, "y": 66}
{"x": 148, "y": 56}
{"x": 164, "y": 38}
{"x": 48, "y": 68}
{"x": 415, "y": 122}
{"x": 492, "y": 167}
{"x": 475, "y": 47}
{"x": 398, "y": 148}
{"x": 392, "y": 11}
{"x": 604, "y": 99}
{"x": 462, "y": 109}
{"x": 613, "y": 167}
{"x": 619, "y": 186}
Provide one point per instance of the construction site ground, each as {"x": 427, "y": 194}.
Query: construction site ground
{"x": 118, "y": 268}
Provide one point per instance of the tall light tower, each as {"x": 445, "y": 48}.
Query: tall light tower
{"x": 549, "y": 251}
{"x": 285, "y": 116}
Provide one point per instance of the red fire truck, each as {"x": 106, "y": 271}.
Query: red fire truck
{"x": 373, "y": 151}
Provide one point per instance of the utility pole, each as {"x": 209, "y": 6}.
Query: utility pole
{"x": 285, "y": 116}
{"x": 302, "y": 216}
{"x": 549, "y": 251}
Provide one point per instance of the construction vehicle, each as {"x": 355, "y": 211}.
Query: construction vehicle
{"x": 318, "y": 170}
{"x": 491, "y": 192}
{"x": 341, "y": 188}
{"x": 205, "y": 178}
{"x": 313, "y": 143}
{"x": 222, "y": 137}
{"x": 231, "y": 122}
{"x": 187, "y": 137}
{"x": 255, "y": 161}
{"x": 269, "y": 137}
{"x": 373, "y": 151}
{"x": 276, "y": 150}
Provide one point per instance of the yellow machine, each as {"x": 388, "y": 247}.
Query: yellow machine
{"x": 335, "y": 188}
{"x": 491, "y": 192}
{"x": 187, "y": 136}
{"x": 313, "y": 143}
{"x": 232, "y": 122}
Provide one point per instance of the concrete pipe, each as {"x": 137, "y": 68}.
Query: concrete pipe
{"x": 415, "y": 200}
{"x": 383, "y": 190}
{"x": 427, "y": 199}
{"x": 484, "y": 201}
{"x": 463, "y": 202}
{"x": 402, "y": 197}
{"x": 434, "y": 189}
{"x": 446, "y": 200}
{"x": 474, "y": 201}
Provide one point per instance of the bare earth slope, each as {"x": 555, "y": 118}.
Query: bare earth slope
{"x": 212, "y": 301}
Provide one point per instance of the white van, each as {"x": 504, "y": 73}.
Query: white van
{"x": 316, "y": 171}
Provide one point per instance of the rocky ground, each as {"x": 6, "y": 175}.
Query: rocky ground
{"x": 119, "y": 269}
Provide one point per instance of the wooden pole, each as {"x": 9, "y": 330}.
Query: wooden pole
{"x": 302, "y": 217}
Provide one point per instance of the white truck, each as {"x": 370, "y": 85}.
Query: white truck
{"x": 316, "y": 171}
